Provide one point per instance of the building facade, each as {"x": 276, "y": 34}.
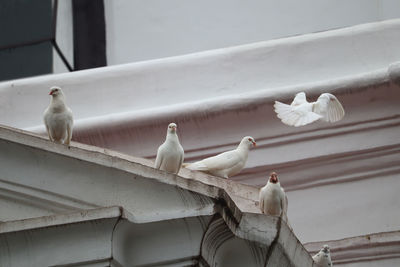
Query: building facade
{"x": 341, "y": 179}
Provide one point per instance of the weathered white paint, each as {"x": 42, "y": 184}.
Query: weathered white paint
{"x": 104, "y": 237}
{"x": 81, "y": 239}
{"x": 159, "y": 209}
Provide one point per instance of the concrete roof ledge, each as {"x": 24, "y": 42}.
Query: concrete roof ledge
{"x": 200, "y": 196}
{"x": 60, "y": 219}
{"x": 245, "y": 195}
{"x": 281, "y": 247}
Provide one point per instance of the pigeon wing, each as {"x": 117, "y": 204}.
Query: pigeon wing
{"x": 284, "y": 203}
{"x": 70, "y": 124}
{"x": 180, "y": 162}
{"x": 160, "y": 157}
{"x": 329, "y": 107}
{"x": 295, "y": 115}
{"x": 222, "y": 161}
{"x": 261, "y": 199}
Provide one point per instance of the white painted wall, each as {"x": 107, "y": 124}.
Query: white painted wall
{"x": 167, "y": 85}
{"x": 141, "y": 30}
{"x": 64, "y": 36}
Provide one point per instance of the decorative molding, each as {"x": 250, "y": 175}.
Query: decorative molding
{"x": 107, "y": 225}
{"x": 370, "y": 247}
{"x": 332, "y": 169}
{"x": 217, "y": 234}
{"x": 90, "y": 263}
{"x": 42, "y": 198}
{"x": 266, "y": 142}
{"x": 60, "y": 219}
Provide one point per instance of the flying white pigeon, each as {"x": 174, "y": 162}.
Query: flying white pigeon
{"x": 227, "y": 163}
{"x": 323, "y": 257}
{"x": 58, "y": 118}
{"x": 300, "y": 112}
{"x": 273, "y": 200}
{"x": 170, "y": 154}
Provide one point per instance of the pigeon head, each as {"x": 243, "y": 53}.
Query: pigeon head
{"x": 172, "y": 128}
{"x": 273, "y": 178}
{"x": 301, "y": 94}
{"x": 55, "y": 91}
{"x": 249, "y": 141}
{"x": 325, "y": 249}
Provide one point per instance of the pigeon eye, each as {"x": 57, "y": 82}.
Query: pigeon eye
{"x": 250, "y": 139}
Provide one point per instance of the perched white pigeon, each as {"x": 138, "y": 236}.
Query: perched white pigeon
{"x": 273, "y": 200}
{"x": 323, "y": 257}
{"x": 170, "y": 154}
{"x": 228, "y": 163}
{"x": 300, "y": 112}
{"x": 58, "y": 118}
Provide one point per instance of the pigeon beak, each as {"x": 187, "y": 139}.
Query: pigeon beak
{"x": 254, "y": 144}
{"x": 51, "y": 93}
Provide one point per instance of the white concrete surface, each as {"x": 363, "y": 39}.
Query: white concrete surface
{"x": 350, "y": 167}
{"x": 138, "y": 30}
{"x": 169, "y": 215}
{"x": 207, "y": 80}
{"x": 104, "y": 237}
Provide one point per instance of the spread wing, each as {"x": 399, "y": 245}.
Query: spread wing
{"x": 329, "y": 107}
{"x": 295, "y": 115}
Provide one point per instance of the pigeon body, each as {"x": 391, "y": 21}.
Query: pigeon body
{"x": 300, "y": 112}
{"x": 227, "y": 163}
{"x": 58, "y": 118}
{"x": 323, "y": 257}
{"x": 273, "y": 200}
{"x": 170, "y": 154}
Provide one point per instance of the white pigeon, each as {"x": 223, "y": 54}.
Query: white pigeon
{"x": 273, "y": 200}
{"x": 58, "y": 118}
{"x": 323, "y": 257}
{"x": 227, "y": 163}
{"x": 300, "y": 112}
{"x": 170, "y": 154}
